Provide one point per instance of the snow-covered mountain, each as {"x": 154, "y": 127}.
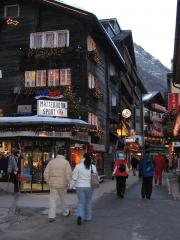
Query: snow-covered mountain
{"x": 151, "y": 71}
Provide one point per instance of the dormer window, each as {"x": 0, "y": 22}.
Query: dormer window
{"x": 11, "y": 11}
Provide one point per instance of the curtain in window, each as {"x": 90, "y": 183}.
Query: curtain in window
{"x": 91, "y": 45}
{"x": 30, "y": 78}
{"x": 65, "y": 76}
{"x": 38, "y": 40}
{"x": 50, "y": 40}
{"x": 92, "y": 119}
{"x": 62, "y": 39}
{"x": 91, "y": 81}
{"x": 41, "y": 78}
{"x": 53, "y": 77}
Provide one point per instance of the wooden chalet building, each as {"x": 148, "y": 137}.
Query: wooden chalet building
{"x": 127, "y": 86}
{"x": 64, "y": 82}
{"x": 154, "y": 110}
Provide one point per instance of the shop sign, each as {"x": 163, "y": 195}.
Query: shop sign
{"x": 173, "y": 101}
{"x": 51, "y": 108}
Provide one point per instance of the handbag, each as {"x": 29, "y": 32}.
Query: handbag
{"x": 94, "y": 179}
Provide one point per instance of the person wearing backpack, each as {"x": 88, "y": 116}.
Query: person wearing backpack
{"x": 146, "y": 168}
{"x": 121, "y": 171}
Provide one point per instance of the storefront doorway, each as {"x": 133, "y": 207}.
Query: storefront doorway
{"x": 36, "y": 155}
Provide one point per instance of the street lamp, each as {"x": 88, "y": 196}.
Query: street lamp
{"x": 125, "y": 114}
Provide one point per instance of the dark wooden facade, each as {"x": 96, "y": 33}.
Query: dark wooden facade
{"x": 113, "y": 69}
{"x": 176, "y": 57}
{"x": 154, "y": 110}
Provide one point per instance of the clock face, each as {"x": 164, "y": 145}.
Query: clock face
{"x": 126, "y": 113}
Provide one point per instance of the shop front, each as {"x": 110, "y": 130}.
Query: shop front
{"x": 37, "y": 148}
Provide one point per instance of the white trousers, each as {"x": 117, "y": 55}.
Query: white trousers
{"x": 54, "y": 193}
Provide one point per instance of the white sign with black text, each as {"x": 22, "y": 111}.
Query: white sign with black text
{"x": 51, "y": 108}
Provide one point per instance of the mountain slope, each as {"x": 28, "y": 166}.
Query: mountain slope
{"x": 151, "y": 71}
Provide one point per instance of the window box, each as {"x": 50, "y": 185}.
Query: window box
{"x": 45, "y": 53}
{"x": 94, "y": 56}
{"x": 95, "y": 93}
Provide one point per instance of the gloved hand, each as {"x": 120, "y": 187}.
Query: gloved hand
{"x": 112, "y": 177}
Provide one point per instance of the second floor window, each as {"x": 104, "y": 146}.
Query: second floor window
{"x": 65, "y": 76}
{"x": 93, "y": 119}
{"x": 50, "y": 39}
{"x": 91, "y": 81}
{"x": 91, "y": 45}
{"x": 52, "y": 77}
{"x": 113, "y": 100}
{"x": 30, "y": 79}
{"x": 41, "y": 78}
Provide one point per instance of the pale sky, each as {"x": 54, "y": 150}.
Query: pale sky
{"x": 152, "y": 22}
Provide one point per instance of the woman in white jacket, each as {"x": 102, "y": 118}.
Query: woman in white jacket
{"x": 82, "y": 179}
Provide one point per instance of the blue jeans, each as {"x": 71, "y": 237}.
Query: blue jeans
{"x": 84, "y": 195}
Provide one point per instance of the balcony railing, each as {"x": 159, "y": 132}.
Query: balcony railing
{"x": 96, "y": 93}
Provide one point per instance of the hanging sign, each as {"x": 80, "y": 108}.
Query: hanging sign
{"x": 173, "y": 101}
{"x": 51, "y": 108}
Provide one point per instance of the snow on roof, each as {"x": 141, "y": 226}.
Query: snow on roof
{"x": 40, "y": 120}
{"x": 147, "y": 96}
{"x": 150, "y": 95}
{"x": 72, "y": 5}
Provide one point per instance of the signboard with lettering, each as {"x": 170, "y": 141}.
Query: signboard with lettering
{"x": 173, "y": 101}
{"x": 51, "y": 108}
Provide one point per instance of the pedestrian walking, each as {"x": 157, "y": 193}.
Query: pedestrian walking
{"x": 121, "y": 171}
{"x": 146, "y": 168}
{"x": 134, "y": 164}
{"x": 58, "y": 175}
{"x": 160, "y": 164}
{"x": 81, "y": 178}
{"x": 13, "y": 169}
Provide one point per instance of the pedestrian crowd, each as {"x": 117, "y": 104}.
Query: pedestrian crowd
{"x": 60, "y": 177}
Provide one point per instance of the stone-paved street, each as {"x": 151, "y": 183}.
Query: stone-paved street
{"x": 129, "y": 219}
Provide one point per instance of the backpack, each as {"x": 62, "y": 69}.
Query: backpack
{"x": 121, "y": 167}
{"x": 148, "y": 168}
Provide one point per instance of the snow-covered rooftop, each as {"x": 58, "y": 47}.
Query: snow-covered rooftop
{"x": 25, "y": 120}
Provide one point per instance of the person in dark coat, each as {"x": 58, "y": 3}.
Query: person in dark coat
{"x": 146, "y": 168}
{"x": 134, "y": 164}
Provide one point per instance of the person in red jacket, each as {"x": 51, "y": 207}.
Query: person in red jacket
{"x": 159, "y": 167}
{"x": 121, "y": 171}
